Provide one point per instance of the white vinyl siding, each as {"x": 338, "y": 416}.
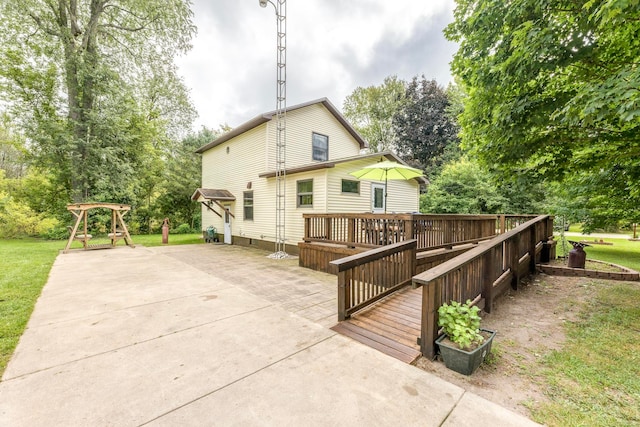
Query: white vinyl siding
{"x": 301, "y": 124}
{"x": 234, "y": 171}
{"x": 403, "y": 196}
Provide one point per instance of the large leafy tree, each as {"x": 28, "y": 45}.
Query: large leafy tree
{"x": 182, "y": 176}
{"x": 371, "y": 110}
{"x": 553, "y": 91}
{"x": 424, "y": 125}
{"x": 94, "y": 87}
{"x": 12, "y": 150}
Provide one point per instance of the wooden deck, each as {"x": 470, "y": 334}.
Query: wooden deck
{"x": 391, "y": 325}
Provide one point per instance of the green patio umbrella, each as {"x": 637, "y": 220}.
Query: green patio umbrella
{"x": 385, "y": 171}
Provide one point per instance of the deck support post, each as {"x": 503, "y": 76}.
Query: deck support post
{"x": 532, "y": 247}
{"x": 351, "y": 230}
{"x": 514, "y": 262}
{"x": 431, "y": 301}
{"x": 409, "y": 232}
{"x": 487, "y": 279}
{"x": 342, "y": 296}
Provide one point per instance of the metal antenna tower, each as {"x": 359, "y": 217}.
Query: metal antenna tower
{"x": 281, "y": 125}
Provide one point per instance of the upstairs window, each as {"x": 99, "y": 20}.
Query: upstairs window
{"x": 304, "y": 193}
{"x": 320, "y": 146}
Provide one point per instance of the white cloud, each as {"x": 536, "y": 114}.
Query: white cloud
{"x": 332, "y": 48}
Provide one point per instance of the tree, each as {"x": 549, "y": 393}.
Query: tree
{"x": 371, "y": 112}
{"x": 182, "y": 177}
{"x": 12, "y": 150}
{"x": 580, "y": 200}
{"x": 463, "y": 187}
{"x": 553, "y": 91}
{"x": 93, "y": 83}
{"x": 423, "y": 125}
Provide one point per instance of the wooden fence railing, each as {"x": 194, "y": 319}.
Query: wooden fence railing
{"x": 509, "y": 222}
{"x": 482, "y": 273}
{"x": 374, "y": 230}
{"x": 365, "y": 278}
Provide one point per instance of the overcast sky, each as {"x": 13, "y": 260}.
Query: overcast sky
{"x": 333, "y": 46}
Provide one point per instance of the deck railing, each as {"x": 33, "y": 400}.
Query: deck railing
{"x": 374, "y": 230}
{"x": 509, "y": 222}
{"x": 367, "y": 277}
{"x": 482, "y": 273}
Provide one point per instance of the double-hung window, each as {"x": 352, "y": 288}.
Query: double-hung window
{"x": 248, "y": 205}
{"x": 304, "y": 193}
{"x": 320, "y": 147}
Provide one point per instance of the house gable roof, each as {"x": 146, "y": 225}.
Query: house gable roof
{"x": 263, "y": 118}
{"x": 332, "y": 163}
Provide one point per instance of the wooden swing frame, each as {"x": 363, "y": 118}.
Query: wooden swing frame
{"x": 118, "y": 226}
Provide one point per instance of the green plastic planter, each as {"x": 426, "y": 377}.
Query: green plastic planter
{"x": 465, "y": 362}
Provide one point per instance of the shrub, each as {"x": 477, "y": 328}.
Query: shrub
{"x": 57, "y": 232}
{"x": 18, "y": 220}
{"x": 183, "y": 229}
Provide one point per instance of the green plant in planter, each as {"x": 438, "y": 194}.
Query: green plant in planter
{"x": 461, "y": 323}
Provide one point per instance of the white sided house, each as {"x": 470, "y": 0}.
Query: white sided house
{"x": 238, "y": 191}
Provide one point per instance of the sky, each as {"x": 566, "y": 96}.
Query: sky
{"x": 333, "y": 47}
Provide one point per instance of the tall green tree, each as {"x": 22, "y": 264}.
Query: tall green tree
{"x": 182, "y": 176}
{"x": 553, "y": 91}
{"x": 424, "y": 126}
{"x": 92, "y": 82}
{"x": 12, "y": 150}
{"x": 371, "y": 109}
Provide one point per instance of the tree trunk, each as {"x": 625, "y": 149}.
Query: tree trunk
{"x": 81, "y": 62}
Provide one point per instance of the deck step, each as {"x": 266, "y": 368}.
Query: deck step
{"x": 385, "y": 345}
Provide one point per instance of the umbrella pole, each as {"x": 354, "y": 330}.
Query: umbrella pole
{"x": 385, "y": 192}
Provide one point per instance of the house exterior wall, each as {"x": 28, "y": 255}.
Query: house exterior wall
{"x": 236, "y": 164}
{"x": 403, "y": 196}
{"x": 232, "y": 171}
{"x": 301, "y": 124}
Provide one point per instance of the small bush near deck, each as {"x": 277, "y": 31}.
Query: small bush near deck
{"x": 182, "y": 229}
{"x": 461, "y": 323}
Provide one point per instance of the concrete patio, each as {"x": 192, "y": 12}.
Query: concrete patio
{"x": 210, "y": 335}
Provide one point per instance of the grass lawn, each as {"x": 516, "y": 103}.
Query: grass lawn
{"x": 25, "y": 269}
{"x": 595, "y": 378}
{"x": 174, "y": 239}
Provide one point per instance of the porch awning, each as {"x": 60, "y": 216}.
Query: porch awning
{"x": 209, "y": 194}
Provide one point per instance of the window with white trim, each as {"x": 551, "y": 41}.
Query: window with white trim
{"x": 320, "y": 147}
{"x": 304, "y": 193}
{"x": 248, "y": 205}
{"x": 350, "y": 186}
